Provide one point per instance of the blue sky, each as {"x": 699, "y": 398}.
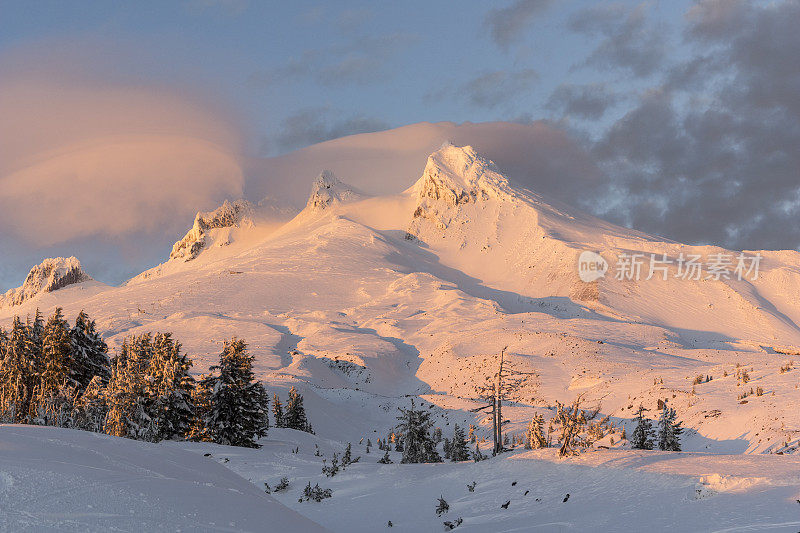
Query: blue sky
{"x": 363, "y": 64}
{"x": 688, "y": 110}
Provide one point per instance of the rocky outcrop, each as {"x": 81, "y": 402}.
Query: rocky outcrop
{"x": 48, "y": 276}
{"x": 328, "y": 190}
{"x": 228, "y": 215}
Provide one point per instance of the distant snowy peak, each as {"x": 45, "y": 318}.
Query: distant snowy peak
{"x": 327, "y": 190}
{"x": 457, "y": 175}
{"x": 454, "y": 177}
{"x": 228, "y": 215}
{"x": 48, "y": 276}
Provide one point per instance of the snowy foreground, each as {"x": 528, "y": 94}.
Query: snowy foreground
{"x": 54, "y": 479}
{"x": 57, "y": 479}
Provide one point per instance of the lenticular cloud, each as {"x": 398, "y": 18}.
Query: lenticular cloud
{"x": 78, "y": 160}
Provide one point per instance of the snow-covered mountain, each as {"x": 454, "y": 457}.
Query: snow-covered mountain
{"x": 363, "y": 297}
{"x": 50, "y": 275}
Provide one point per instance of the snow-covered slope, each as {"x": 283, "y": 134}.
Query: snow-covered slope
{"x": 54, "y": 479}
{"x": 376, "y": 297}
{"x": 50, "y": 275}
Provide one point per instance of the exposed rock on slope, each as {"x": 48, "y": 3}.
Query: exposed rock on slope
{"x": 327, "y": 190}
{"x": 455, "y": 176}
{"x": 48, "y": 276}
{"x": 229, "y": 214}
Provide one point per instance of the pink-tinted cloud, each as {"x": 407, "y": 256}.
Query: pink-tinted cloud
{"x": 81, "y": 157}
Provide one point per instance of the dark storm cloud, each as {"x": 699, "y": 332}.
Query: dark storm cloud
{"x": 507, "y": 25}
{"x": 314, "y": 125}
{"x": 582, "y": 101}
{"x": 712, "y": 155}
{"x": 627, "y": 38}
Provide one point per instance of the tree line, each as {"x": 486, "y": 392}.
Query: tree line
{"x": 54, "y": 374}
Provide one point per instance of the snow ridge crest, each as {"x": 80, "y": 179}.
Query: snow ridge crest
{"x": 458, "y": 175}
{"x": 327, "y": 190}
{"x": 48, "y": 276}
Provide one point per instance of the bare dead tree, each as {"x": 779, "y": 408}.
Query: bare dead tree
{"x": 507, "y": 379}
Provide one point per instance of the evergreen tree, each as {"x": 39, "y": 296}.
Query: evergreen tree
{"x": 669, "y": 430}
{"x": 642, "y": 436}
{"x": 90, "y": 353}
{"x": 56, "y": 356}
{"x": 458, "y": 446}
{"x": 534, "y": 435}
{"x": 18, "y": 374}
{"x": 129, "y": 401}
{"x": 201, "y": 400}
{"x": 295, "y": 415}
{"x": 91, "y": 407}
{"x": 238, "y": 404}
{"x": 415, "y": 427}
{"x": 277, "y": 411}
{"x": 170, "y": 387}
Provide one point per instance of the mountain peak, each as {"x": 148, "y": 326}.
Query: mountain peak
{"x": 48, "y": 276}
{"x": 328, "y": 189}
{"x": 457, "y": 174}
{"x": 229, "y": 214}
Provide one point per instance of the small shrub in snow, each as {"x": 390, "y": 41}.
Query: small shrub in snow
{"x": 347, "y": 458}
{"x": 448, "y": 525}
{"x": 477, "y": 455}
{"x": 385, "y": 460}
{"x": 282, "y": 485}
{"x": 442, "y": 507}
{"x": 315, "y": 493}
{"x": 333, "y": 469}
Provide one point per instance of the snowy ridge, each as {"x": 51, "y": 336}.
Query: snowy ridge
{"x": 229, "y": 214}
{"x": 48, "y": 276}
{"x": 328, "y": 190}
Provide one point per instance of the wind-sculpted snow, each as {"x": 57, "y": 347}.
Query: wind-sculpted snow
{"x": 48, "y": 276}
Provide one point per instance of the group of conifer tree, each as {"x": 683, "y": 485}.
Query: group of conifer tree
{"x": 667, "y": 437}
{"x": 54, "y": 374}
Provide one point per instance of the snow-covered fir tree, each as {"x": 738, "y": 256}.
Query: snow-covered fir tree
{"x": 18, "y": 374}
{"x": 238, "y": 405}
{"x": 90, "y": 407}
{"x": 56, "y": 363}
{"x": 90, "y": 352}
{"x": 170, "y": 388}
{"x": 201, "y": 400}
{"x": 534, "y": 434}
{"x": 669, "y": 430}
{"x": 418, "y": 445}
{"x": 642, "y": 436}
{"x": 277, "y": 410}
{"x": 459, "y": 451}
{"x": 295, "y": 415}
{"x": 129, "y": 402}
